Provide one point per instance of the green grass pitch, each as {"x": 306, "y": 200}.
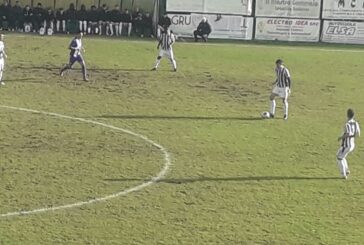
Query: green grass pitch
{"x": 234, "y": 179}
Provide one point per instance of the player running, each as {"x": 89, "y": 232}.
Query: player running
{"x": 282, "y": 88}
{"x": 166, "y": 41}
{"x": 3, "y": 56}
{"x": 75, "y": 55}
{"x": 351, "y": 130}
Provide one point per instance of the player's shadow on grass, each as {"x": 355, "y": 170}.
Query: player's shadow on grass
{"x": 29, "y": 80}
{"x": 57, "y": 68}
{"x": 157, "y": 117}
{"x": 118, "y": 69}
{"x": 222, "y": 179}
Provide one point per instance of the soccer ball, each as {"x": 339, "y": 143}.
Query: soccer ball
{"x": 265, "y": 115}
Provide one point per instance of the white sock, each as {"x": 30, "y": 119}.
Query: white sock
{"x": 129, "y": 30}
{"x": 116, "y": 29}
{"x": 273, "y": 107}
{"x": 157, "y": 63}
{"x": 345, "y": 165}
{"x": 174, "y": 63}
{"x": 111, "y": 30}
{"x": 121, "y": 28}
{"x": 286, "y": 107}
{"x": 341, "y": 166}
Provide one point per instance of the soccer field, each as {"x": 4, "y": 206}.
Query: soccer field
{"x": 231, "y": 177}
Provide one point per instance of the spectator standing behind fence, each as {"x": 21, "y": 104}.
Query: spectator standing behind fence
{"x": 28, "y": 18}
{"x": 50, "y": 19}
{"x": 38, "y": 17}
{"x": 5, "y": 15}
{"x": 93, "y": 21}
{"x": 17, "y": 11}
{"x": 203, "y": 30}
{"x": 11, "y": 17}
{"x": 71, "y": 19}
{"x": 102, "y": 19}
{"x": 136, "y": 15}
{"x": 138, "y": 24}
{"x": 147, "y": 25}
{"x": 126, "y": 18}
{"x": 108, "y": 30}
{"x": 60, "y": 21}
{"x": 82, "y": 19}
{"x": 115, "y": 21}
{"x": 136, "y": 12}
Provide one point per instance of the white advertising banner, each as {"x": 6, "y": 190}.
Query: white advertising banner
{"x": 343, "y": 32}
{"x": 222, "y": 26}
{"x": 302, "y": 30}
{"x": 237, "y": 7}
{"x": 343, "y": 9}
{"x": 185, "y": 6}
{"x": 288, "y": 8}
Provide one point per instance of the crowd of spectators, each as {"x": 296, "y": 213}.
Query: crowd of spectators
{"x": 98, "y": 21}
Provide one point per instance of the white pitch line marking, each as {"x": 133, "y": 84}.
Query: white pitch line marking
{"x": 355, "y": 48}
{"x": 303, "y": 48}
{"x": 158, "y": 177}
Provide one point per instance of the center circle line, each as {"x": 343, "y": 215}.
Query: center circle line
{"x": 158, "y": 177}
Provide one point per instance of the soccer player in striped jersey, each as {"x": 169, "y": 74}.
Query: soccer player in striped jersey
{"x": 3, "y": 56}
{"x": 351, "y": 130}
{"x": 282, "y": 88}
{"x": 75, "y": 55}
{"x": 166, "y": 41}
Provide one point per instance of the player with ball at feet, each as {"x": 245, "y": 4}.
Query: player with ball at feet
{"x": 282, "y": 88}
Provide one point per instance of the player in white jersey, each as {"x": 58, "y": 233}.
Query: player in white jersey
{"x": 76, "y": 56}
{"x": 3, "y": 56}
{"x": 282, "y": 88}
{"x": 166, "y": 41}
{"x": 351, "y": 130}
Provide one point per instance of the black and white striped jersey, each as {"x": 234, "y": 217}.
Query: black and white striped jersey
{"x": 352, "y": 130}
{"x": 166, "y": 40}
{"x": 2, "y": 48}
{"x": 283, "y": 77}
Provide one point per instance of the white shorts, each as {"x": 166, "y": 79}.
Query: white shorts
{"x": 2, "y": 63}
{"x": 168, "y": 53}
{"x": 281, "y": 92}
{"x": 343, "y": 152}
